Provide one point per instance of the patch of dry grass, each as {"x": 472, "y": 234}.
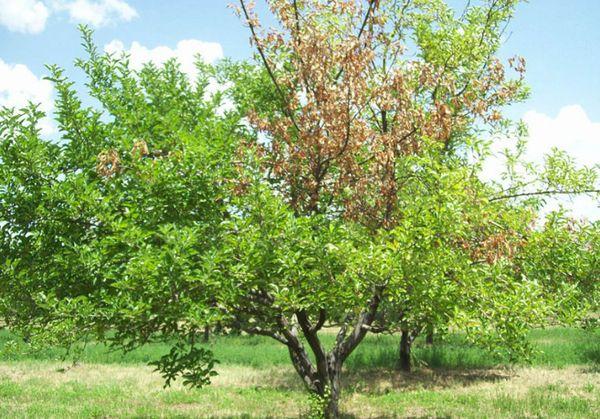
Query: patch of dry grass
{"x": 27, "y": 388}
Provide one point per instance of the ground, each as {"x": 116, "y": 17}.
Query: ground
{"x": 255, "y": 379}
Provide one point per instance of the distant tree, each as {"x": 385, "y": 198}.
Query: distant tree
{"x": 564, "y": 256}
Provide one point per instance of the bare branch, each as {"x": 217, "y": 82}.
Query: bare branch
{"x": 546, "y": 192}
{"x": 263, "y": 332}
{"x": 366, "y": 318}
{"x": 313, "y": 341}
{"x": 261, "y": 52}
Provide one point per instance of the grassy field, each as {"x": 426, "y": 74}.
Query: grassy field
{"x": 255, "y": 379}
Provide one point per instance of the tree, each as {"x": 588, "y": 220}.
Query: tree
{"x": 563, "y": 256}
{"x": 371, "y": 114}
{"x": 460, "y": 276}
{"x": 105, "y": 228}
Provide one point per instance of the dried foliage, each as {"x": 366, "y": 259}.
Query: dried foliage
{"x": 355, "y": 99}
{"x": 140, "y": 149}
{"x": 109, "y": 163}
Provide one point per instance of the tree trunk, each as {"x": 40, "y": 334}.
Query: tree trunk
{"x": 323, "y": 377}
{"x": 429, "y": 337}
{"x": 206, "y": 336}
{"x": 404, "y": 363}
{"x": 329, "y": 391}
{"x": 324, "y": 383}
{"x": 333, "y": 388}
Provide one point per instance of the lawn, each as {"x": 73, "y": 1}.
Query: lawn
{"x": 255, "y": 379}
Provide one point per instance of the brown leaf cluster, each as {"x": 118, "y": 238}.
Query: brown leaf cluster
{"x": 353, "y": 105}
{"x": 108, "y": 163}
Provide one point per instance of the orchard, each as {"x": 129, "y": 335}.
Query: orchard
{"x": 328, "y": 190}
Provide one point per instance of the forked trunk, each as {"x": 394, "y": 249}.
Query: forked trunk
{"x": 404, "y": 363}
{"x": 323, "y": 376}
{"x": 325, "y": 383}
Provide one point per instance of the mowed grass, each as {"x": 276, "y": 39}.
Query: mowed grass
{"x": 452, "y": 379}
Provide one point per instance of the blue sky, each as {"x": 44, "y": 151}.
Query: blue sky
{"x": 559, "y": 39}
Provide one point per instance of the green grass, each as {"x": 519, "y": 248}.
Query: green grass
{"x": 35, "y": 398}
{"x": 555, "y": 347}
{"x": 452, "y": 379}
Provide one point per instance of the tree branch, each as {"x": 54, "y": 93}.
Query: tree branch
{"x": 313, "y": 342}
{"x": 372, "y": 6}
{"x": 546, "y": 192}
{"x": 366, "y": 318}
{"x": 262, "y": 332}
{"x": 286, "y": 110}
{"x": 298, "y": 355}
{"x": 321, "y": 321}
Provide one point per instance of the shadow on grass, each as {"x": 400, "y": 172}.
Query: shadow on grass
{"x": 382, "y": 381}
{"x": 379, "y": 381}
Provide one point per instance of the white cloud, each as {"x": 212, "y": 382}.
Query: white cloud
{"x": 97, "y": 13}
{"x": 18, "y": 85}
{"x": 185, "y": 52}
{"x": 25, "y": 16}
{"x": 572, "y": 131}
{"x": 30, "y": 16}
